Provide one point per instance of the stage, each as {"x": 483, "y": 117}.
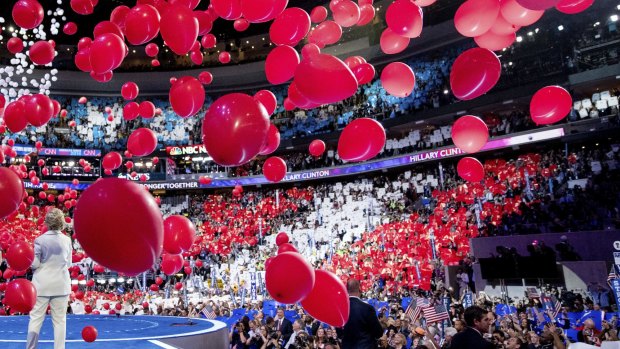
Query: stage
{"x": 121, "y": 332}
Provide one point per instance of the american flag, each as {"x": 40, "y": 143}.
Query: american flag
{"x": 435, "y": 313}
{"x": 557, "y": 307}
{"x": 415, "y": 308}
{"x": 208, "y": 312}
{"x": 612, "y": 275}
{"x": 532, "y": 292}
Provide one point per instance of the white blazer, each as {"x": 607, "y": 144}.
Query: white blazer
{"x": 52, "y": 259}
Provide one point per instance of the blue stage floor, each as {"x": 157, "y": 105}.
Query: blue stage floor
{"x": 124, "y": 332}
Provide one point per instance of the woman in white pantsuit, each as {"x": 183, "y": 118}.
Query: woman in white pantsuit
{"x": 52, "y": 258}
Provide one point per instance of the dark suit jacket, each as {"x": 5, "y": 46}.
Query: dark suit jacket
{"x": 470, "y": 339}
{"x": 363, "y": 327}
{"x": 286, "y": 329}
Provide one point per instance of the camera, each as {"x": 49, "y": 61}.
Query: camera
{"x": 273, "y": 335}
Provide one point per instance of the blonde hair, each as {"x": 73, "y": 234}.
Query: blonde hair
{"x": 55, "y": 219}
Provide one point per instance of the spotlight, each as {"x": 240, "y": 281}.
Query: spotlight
{"x": 560, "y": 27}
{"x": 614, "y": 18}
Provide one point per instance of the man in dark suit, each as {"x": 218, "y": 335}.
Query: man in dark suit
{"x": 283, "y": 325}
{"x": 363, "y": 328}
{"x": 478, "y": 323}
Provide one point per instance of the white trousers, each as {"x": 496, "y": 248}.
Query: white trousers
{"x": 58, "y": 307}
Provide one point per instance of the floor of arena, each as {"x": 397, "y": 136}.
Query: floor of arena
{"x": 122, "y": 332}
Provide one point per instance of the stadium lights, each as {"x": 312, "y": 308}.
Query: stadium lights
{"x": 560, "y": 27}
{"x": 121, "y": 280}
{"x": 597, "y": 24}
{"x": 11, "y": 29}
{"x": 82, "y": 282}
{"x": 445, "y": 92}
{"x": 101, "y": 281}
{"x": 530, "y": 33}
{"x": 112, "y": 280}
{"x": 519, "y": 38}
{"x": 74, "y": 282}
{"x": 614, "y": 18}
{"x": 149, "y": 164}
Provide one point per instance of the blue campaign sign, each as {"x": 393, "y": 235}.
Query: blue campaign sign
{"x": 615, "y": 287}
{"x": 504, "y": 309}
{"x": 405, "y": 302}
{"x": 468, "y": 300}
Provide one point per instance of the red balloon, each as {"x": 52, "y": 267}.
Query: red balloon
{"x": 142, "y": 24}
{"x": 470, "y": 169}
{"x": 83, "y": 7}
{"x": 42, "y": 52}
{"x": 476, "y": 17}
{"x": 28, "y": 14}
{"x": 502, "y": 27}
{"x": 364, "y": 73}
{"x": 142, "y": 142}
{"x": 15, "y": 45}
{"x": 147, "y": 109}
{"x": 20, "y": 295}
{"x": 290, "y": 27}
{"x": 179, "y": 234}
{"x": 519, "y": 15}
{"x": 288, "y": 104}
{"x": 205, "y": 78}
{"x": 316, "y": 148}
{"x": 20, "y": 256}
{"x": 11, "y": 191}
{"x": 179, "y": 28}
{"x": 131, "y": 110}
{"x": 171, "y": 263}
{"x": 224, "y": 57}
{"x": 107, "y": 53}
{"x": 405, "y": 18}
{"x": 151, "y": 50}
{"x": 392, "y": 43}
{"x": 154, "y": 288}
{"x": 310, "y": 50}
{"x": 287, "y": 247}
{"x": 112, "y": 161}
{"x": 159, "y": 280}
{"x": 234, "y": 129}
{"x": 280, "y": 64}
{"x": 39, "y": 109}
{"x": 362, "y": 139}
{"x": 550, "y": 104}
{"x": 89, "y": 334}
{"x": 187, "y": 96}
{"x": 178, "y": 286}
{"x": 281, "y": 238}
{"x": 326, "y": 33}
{"x": 130, "y": 90}
{"x": 274, "y": 169}
{"x": 346, "y": 13}
{"x": 318, "y": 14}
{"x": 470, "y": 133}
{"x": 494, "y": 42}
{"x": 398, "y": 79}
{"x": 474, "y": 73}
{"x": 118, "y": 16}
{"x": 119, "y": 225}
{"x": 227, "y": 9}
{"x": 289, "y": 278}
{"x": 241, "y": 24}
{"x": 262, "y": 11}
{"x": 538, "y": 5}
{"x": 273, "y": 140}
{"x": 84, "y": 43}
{"x": 572, "y": 7}
{"x": 208, "y": 41}
{"x": 367, "y": 14}
{"x": 205, "y": 23}
{"x": 268, "y": 100}
{"x": 311, "y": 75}
{"x": 354, "y": 61}
{"x": 104, "y": 77}
{"x": 328, "y": 301}
{"x": 105, "y": 27}
{"x": 82, "y": 60}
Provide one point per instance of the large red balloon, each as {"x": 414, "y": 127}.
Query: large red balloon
{"x": 39, "y": 109}
{"x": 187, "y": 96}
{"x": 107, "y": 53}
{"x": 179, "y": 234}
{"x": 112, "y": 161}
{"x": 130, "y": 90}
{"x": 405, "y": 18}
{"x": 104, "y": 27}
{"x": 262, "y": 11}
{"x": 15, "y": 116}
{"x": 20, "y": 295}
{"x": 346, "y": 13}
{"x": 227, "y": 9}
{"x": 171, "y": 263}
{"x": 234, "y": 129}
{"x": 179, "y": 28}
{"x": 328, "y": 301}
{"x": 131, "y": 111}
{"x": 83, "y": 7}
{"x": 15, "y": 45}
{"x": 11, "y": 191}
{"x": 367, "y": 14}
{"x": 476, "y": 17}
{"x": 142, "y": 24}
{"x": 495, "y": 42}
{"x": 281, "y": 238}
{"x": 398, "y": 79}
{"x": 119, "y": 225}
{"x": 318, "y": 14}
{"x": 289, "y": 278}
{"x": 364, "y": 73}
{"x": 89, "y": 333}
{"x": 147, "y": 109}
{"x": 519, "y": 15}
{"x": 312, "y": 73}
{"x": 42, "y": 52}
{"x": 118, "y": 16}
{"x": 470, "y": 133}
{"x": 205, "y": 23}
{"x": 82, "y": 60}
{"x": 572, "y": 7}
{"x": 474, "y": 73}
{"x": 550, "y": 104}
{"x": 267, "y": 99}
{"x": 142, "y": 142}
{"x": 470, "y": 169}
{"x": 28, "y": 14}
{"x": 290, "y": 27}
{"x": 538, "y": 5}
{"x": 316, "y": 148}
{"x": 280, "y": 64}
{"x": 362, "y": 139}
{"x": 274, "y": 169}
{"x": 20, "y": 256}
{"x": 326, "y": 33}
{"x": 392, "y": 43}
{"x": 273, "y": 140}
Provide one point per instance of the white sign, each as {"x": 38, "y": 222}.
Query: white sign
{"x": 617, "y": 245}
